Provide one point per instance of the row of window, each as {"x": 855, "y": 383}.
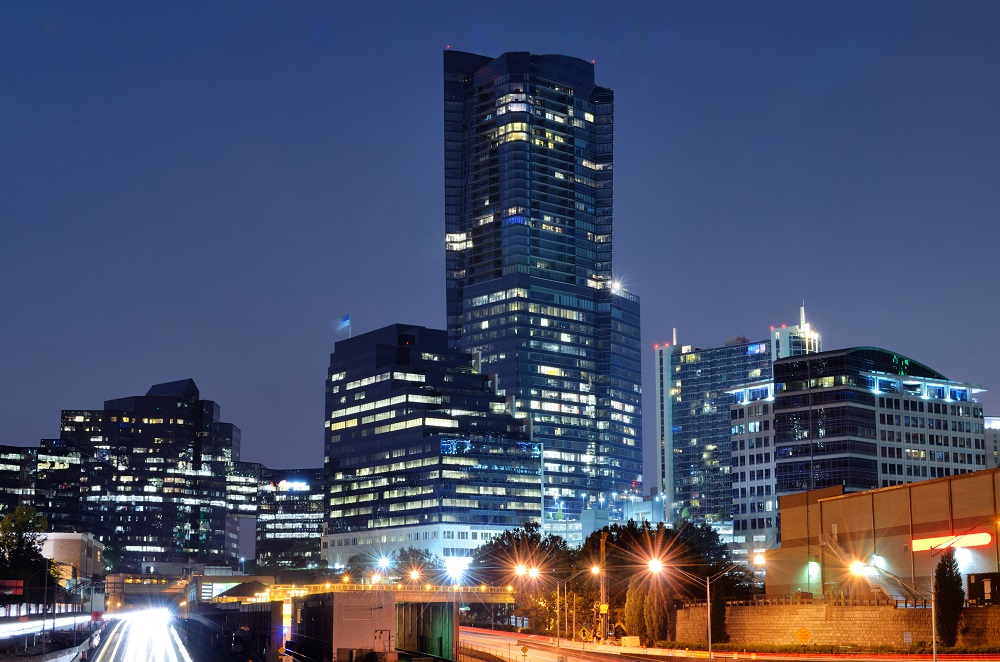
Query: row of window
{"x": 753, "y": 523}
{"x": 931, "y": 423}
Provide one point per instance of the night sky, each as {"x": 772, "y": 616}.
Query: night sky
{"x": 203, "y": 189}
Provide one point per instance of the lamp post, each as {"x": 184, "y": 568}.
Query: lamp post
{"x": 564, "y": 583}
{"x": 963, "y": 539}
{"x": 656, "y": 566}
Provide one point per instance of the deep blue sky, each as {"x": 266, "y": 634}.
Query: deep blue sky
{"x": 202, "y": 189}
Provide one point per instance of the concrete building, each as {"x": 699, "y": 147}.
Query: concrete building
{"x": 529, "y": 155}
{"x": 992, "y": 424}
{"x": 77, "y": 555}
{"x": 893, "y": 536}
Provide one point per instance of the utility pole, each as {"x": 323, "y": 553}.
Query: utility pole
{"x": 604, "y": 587}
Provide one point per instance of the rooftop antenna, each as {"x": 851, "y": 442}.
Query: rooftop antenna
{"x": 675, "y": 336}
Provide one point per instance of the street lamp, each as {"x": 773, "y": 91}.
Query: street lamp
{"x": 938, "y": 545}
{"x": 564, "y": 583}
{"x": 655, "y": 565}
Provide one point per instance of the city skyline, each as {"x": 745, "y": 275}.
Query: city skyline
{"x": 188, "y": 195}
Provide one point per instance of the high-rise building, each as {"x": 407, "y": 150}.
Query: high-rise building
{"x": 290, "y": 517}
{"x": 170, "y": 453}
{"x": 74, "y": 488}
{"x": 529, "y": 152}
{"x": 694, "y": 467}
{"x": 694, "y": 418}
{"x": 858, "y": 418}
{"x": 18, "y": 466}
{"x": 420, "y": 451}
{"x": 866, "y": 417}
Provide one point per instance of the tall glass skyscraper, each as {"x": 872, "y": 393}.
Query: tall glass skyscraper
{"x": 529, "y": 149}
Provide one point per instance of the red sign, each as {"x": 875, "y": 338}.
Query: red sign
{"x": 12, "y": 586}
{"x": 96, "y": 615}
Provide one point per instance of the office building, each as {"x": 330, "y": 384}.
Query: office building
{"x": 858, "y": 418}
{"x": 992, "y": 424}
{"x": 866, "y": 417}
{"x": 290, "y": 517}
{"x": 17, "y": 477}
{"x": 420, "y": 451}
{"x": 169, "y": 451}
{"x": 529, "y": 155}
{"x": 695, "y": 423}
{"x": 74, "y": 488}
{"x": 696, "y": 464}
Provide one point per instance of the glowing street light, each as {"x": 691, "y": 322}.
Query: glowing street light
{"x": 655, "y": 565}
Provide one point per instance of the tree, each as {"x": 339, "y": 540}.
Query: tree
{"x": 720, "y": 634}
{"x": 655, "y": 612}
{"x": 635, "y": 603}
{"x": 21, "y": 540}
{"x": 495, "y": 562}
{"x": 949, "y": 598}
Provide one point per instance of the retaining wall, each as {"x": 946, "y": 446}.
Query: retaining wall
{"x": 836, "y": 625}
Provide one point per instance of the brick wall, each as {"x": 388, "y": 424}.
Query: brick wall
{"x": 846, "y": 626}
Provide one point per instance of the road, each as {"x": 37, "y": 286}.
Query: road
{"x": 510, "y": 648}
{"x": 142, "y": 637}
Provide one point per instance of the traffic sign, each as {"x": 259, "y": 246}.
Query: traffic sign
{"x": 524, "y": 649}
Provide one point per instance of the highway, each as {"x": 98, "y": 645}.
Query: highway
{"x": 511, "y": 648}
{"x": 147, "y": 636}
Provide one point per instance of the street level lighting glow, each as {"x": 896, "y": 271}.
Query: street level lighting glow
{"x": 456, "y": 567}
{"x": 655, "y": 565}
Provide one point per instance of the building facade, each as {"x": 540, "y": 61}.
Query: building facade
{"x": 884, "y": 543}
{"x": 707, "y": 454}
{"x": 74, "y": 488}
{"x": 17, "y": 477}
{"x": 169, "y": 453}
{"x": 420, "y": 450}
{"x": 858, "y": 418}
{"x": 993, "y": 440}
{"x": 694, "y": 420}
{"x": 866, "y": 417}
{"x": 529, "y": 154}
{"x": 290, "y": 517}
